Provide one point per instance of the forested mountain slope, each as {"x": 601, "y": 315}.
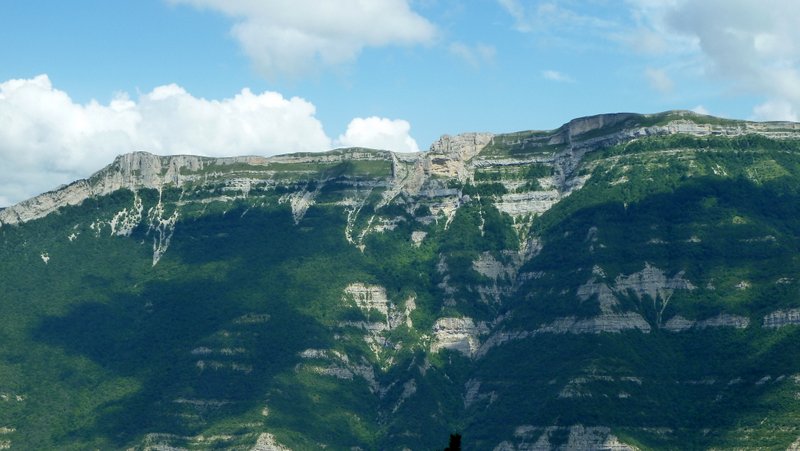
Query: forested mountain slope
{"x": 624, "y": 281}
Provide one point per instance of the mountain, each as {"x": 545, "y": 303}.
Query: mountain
{"x": 624, "y": 281}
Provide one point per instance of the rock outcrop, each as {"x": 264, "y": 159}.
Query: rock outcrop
{"x": 137, "y": 170}
{"x": 129, "y": 171}
{"x": 781, "y": 318}
{"x": 679, "y": 324}
{"x": 450, "y": 157}
{"x": 574, "y": 284}
{"x": 458, "y": 334}
{"x": 460, "y": 147}
{"x": 267, "y": 442}
{"x": 579, "y": 437}
{"x": 604, "y": 323}
{"x": 609, "y": 323}
{"x": 370, "y": 299}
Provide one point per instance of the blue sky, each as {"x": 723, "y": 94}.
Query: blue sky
{"x": 85, "y": 80}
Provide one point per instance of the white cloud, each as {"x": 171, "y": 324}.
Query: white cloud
{"x": 379, "y": 133}
{"x": 775, "y": 110}
{"x": 751, "y": 45}
{"x": 700, "y": 109}
{"x": 554, "y": 15}
{"x": 659, "y": 79}
{"x": 295, "y": 36}
{"x": 517, "y": 11}
{"x": 475, "y": 56}
{"x": 554, "y": 75}
{"x": 47, "y": 139}
{"x": 650, "y": 32}
{"x": 750, "y": 42}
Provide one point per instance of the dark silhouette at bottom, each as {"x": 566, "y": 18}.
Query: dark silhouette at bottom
{"x": 455, "y": 443}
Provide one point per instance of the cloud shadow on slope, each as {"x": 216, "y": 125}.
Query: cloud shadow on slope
{"x": 262, "y": 265}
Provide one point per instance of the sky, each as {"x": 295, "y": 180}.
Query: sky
{"x": 86, "y": 80}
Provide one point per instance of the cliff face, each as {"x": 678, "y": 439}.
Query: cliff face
{"x": 622, "y": 281}
{"x": 131, "y": 171}
{"x": 450, "y": 157}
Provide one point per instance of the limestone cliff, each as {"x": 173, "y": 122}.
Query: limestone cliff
{"x": 622, "y": 280}
{"x": 453, "y": 158}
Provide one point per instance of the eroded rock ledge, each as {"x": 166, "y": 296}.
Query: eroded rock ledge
{"x": 450, "y": 157}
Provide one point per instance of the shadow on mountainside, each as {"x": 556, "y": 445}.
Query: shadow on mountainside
{"x": 223, "y": 271}
{"x": 722, "y": 379}
{"x": 226, "y": 311}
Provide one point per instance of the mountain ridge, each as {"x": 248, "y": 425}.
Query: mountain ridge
{"x": 141, "y": 169}
{"x": 624, "y": 282}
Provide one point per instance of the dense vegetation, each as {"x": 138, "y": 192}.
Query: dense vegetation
{"x": 242, "y": 327}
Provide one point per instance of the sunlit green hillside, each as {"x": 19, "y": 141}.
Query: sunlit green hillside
{"x": 624, "y": 280}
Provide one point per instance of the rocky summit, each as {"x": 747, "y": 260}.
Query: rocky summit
{"x": 622, "y": 282}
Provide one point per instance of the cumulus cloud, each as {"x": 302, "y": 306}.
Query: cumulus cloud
{"x": 379, "y": 133}
{"x": 750, "y": 44}
{"x": 47, "y": 139}
{"x": 476, "y": 56}
{"x": 554, "y": 75}
{"x": 295, "y": 36}
{"x": 751, "y": 47}
{"x": 650, "y": 32}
